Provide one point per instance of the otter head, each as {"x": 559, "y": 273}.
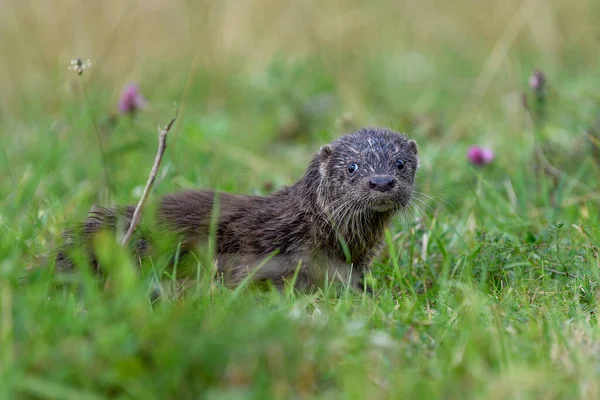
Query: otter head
{"x": 371, "y": 170}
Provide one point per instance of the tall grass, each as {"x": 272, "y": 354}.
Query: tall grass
{"x": 491, "y": 291}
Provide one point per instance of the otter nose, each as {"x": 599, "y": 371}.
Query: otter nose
{"x": 382, "y": 183}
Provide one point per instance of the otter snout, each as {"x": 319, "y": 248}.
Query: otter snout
{"x": 382, "y": 183}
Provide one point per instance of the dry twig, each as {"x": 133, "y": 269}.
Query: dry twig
{"x": 162, "y": 145}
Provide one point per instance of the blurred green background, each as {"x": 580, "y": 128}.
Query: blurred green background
{"x": 490, "y": 291}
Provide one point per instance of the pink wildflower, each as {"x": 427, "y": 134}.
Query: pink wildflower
{"x": 537, "y": 80}
{"x": 480, "y": 155}
{"x": 131, "y": 100}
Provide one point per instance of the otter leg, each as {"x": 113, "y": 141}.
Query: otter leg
{"x": 277, "y": 269}
{"x": 280, "y": 268}
{"x": 348, "y": 274}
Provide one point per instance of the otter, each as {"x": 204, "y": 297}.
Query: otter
{"x": 326, "y": 226}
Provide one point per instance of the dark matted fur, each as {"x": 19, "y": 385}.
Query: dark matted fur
{"x": 309, "y": 223}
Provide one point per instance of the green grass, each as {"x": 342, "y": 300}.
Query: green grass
{"x": 490, "y": 292}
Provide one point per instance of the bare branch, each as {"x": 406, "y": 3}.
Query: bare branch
{"x": 162, "y": 145}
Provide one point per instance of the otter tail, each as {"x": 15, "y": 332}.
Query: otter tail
{"x": 99, "y": 219}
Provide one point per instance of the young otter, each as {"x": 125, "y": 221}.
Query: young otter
{"x": 327, "y": 224}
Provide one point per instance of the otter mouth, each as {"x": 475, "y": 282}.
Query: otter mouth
{"x": 382, "y": 205}
{"x": 388, "y": 203}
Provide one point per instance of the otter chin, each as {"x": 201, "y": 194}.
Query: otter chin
{"x": 383, "y": 207}
{"x": 390, "y": 201}
{"x": 327, "y": 225}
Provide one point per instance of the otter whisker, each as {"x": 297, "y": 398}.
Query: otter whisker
{"x": 431, "y": 209}
{"x": 420, "y": 214}
{"x": 340, "y": 211}
{"x": 436, "y": 201}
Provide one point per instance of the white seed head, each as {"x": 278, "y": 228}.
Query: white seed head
{"x": 79, "y": 66}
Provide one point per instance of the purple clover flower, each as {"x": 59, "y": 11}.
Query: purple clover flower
{"x": 480, "y": 155}
{"x": 537, "y": 80}
{"x": 131, "y": 100}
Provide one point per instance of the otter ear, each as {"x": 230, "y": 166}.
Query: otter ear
{"x": 325, "y": 152}
{"x": 412, "y": 146}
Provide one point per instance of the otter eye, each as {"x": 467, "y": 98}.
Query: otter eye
{"x": 400, "y": 164}
{"x": 352, "y": 168}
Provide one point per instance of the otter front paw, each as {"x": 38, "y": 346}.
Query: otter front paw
{"x": 364, "y": 286}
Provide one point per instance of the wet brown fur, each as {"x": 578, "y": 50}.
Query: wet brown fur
{"x": 306, "y": 223}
